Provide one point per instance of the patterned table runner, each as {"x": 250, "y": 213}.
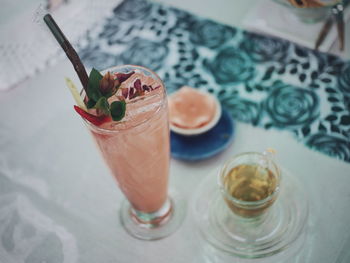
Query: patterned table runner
{"x": 265, "y": 81}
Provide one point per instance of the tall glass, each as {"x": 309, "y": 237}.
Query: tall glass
{"x": 137, "y": 151}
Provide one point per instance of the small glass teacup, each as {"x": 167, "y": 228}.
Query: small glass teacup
{"x": 250, "y": 183}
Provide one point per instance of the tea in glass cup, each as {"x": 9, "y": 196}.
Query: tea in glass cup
{"x": 248, "y": 210}
{"x": 250, "y": 183}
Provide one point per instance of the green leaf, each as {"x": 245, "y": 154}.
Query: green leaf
{"x": 93, "y": 90}
{"x": 90, "y": 104}
{"x": 102, "y": 104}
{"x": 118, "y": 110}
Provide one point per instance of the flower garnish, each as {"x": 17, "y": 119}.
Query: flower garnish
{"x": 100, "y": 88}
{"x": 124, "y": 76}
{"x": 108, "y": 85}
{"x": 136, "y": 90}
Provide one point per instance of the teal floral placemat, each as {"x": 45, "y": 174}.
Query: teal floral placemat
{"x": 265, "y": 81}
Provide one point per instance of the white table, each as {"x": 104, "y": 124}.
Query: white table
{"x": 59, "y": 204}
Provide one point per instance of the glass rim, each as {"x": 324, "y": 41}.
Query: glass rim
{"x": 114, "y": 69}
{"x": 325, "y": 6}
{"x": 247, "y": 204}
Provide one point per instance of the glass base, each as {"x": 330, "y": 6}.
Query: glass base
{"x": 305, "y": 15}
{"x": 156, "y": 225}
{"x": 269, "y": 234}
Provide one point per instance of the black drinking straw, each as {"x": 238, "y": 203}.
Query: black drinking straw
{"x": 68, "y": 49}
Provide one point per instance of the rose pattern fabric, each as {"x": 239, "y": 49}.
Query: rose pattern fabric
{"x": 210, "y": 34}
{"x": 156, "y": 53}
{"x": 103, "y": 59}
{"x": 344, "y": 80}
{"x": 264, "y": 49}
{"x": 133, "y": 10}
{"x": 244, "y": 110}
{"x": 261, "y": 80}
{"x": 231, "y": 66}
{"x": 331, "y": 145}
{"x": 290, "y": 106}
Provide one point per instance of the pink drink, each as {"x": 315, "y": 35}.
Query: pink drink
{"x": 137, "y": 149}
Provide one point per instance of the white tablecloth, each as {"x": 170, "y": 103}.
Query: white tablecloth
{"x": 56, "y": 191}
{"x": 58, "y": 202}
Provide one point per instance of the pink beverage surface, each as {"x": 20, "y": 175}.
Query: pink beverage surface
{"x": 137, "y": 149}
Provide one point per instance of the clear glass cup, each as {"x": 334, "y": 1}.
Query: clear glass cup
{"x": 137, "y": 151}
{"x": 250, "y": 183}
{"x": 248, "y": 209}
{"x": 309, "y": 15}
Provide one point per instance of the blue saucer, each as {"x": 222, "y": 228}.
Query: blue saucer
{"x": 205, "y": 145}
